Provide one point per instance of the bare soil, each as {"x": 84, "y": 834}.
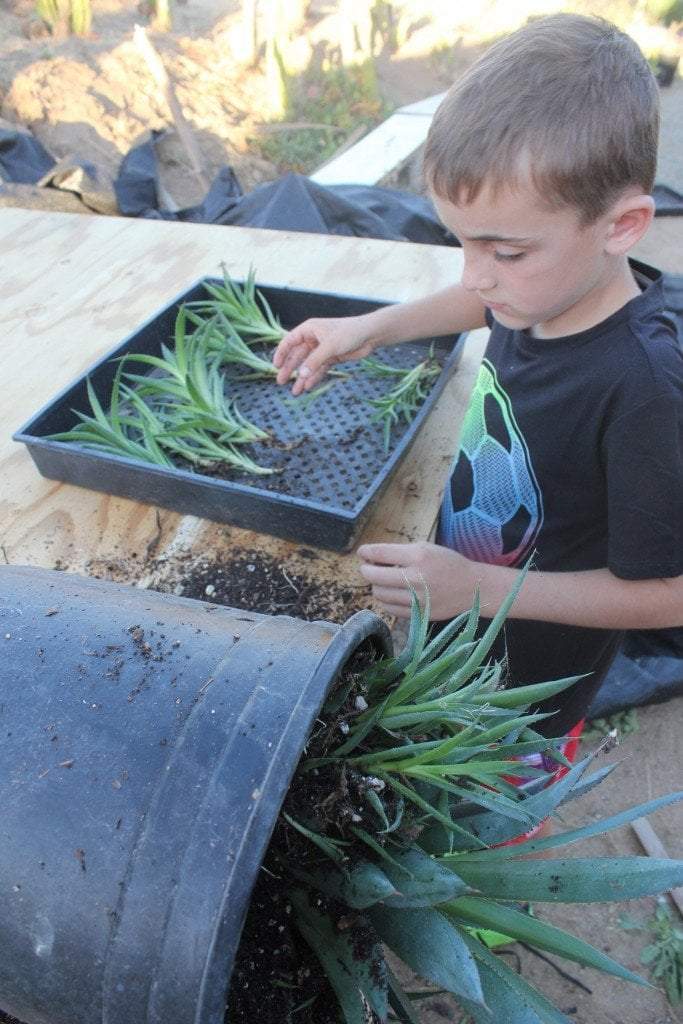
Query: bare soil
{"x": 95, "y": 97}
{"x": 256, "y": 582}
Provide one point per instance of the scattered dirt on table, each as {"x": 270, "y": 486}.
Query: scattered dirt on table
{"x": 257, "y": 582}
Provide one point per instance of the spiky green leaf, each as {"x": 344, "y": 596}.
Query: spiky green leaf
{"x": 431, "y": 882}
{"x": 596, "y": 828}
{"x": 363, "y": 885}
{"x": 428, "y": 943}
{"x": 353, "y": 967}
{"x": 578, "y": 880}
{"x": 485, "y": 913}
{"x": 491, "y": 829}
{"x": 508, "y": 996}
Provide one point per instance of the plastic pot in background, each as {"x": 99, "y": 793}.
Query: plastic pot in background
{"x": 148, "y": 742}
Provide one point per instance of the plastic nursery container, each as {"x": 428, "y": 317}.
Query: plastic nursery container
{"x": 331, "y": 460}
{"x": 148, "y": 742}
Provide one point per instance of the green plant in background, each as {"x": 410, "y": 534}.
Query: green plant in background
{"x": 664, "y": 955}
{"x": 161, "y": 15}
{"x": 64, "y": 15}
{"x": 623, "y": 723}
{"x": 404, "y": 399}
{"x": 664, "y": 11}
{"x": 404, "y": 848}
{"x": 76, "y": 15}
{"x": 324, "y": 105}
{"x": 54, "y": 13}
{"x": 384, "y": 19}
{"x": 81, "y": 17}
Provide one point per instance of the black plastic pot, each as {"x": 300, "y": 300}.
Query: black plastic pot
{"x": 146, "y": 744}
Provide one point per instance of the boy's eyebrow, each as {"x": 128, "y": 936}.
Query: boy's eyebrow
{"x": 510, "y": 239}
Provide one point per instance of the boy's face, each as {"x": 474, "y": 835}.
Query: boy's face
{"x": 534, "y": 267}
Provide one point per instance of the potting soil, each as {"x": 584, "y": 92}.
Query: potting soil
{"x": 276, "y": 976}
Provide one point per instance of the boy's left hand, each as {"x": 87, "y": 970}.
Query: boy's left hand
{"x": 392, "y": 569}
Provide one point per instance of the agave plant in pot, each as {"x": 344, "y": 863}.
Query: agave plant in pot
{"x": 394, "y": 835}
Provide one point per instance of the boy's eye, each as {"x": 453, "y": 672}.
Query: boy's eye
{"x": 508, "y": 255}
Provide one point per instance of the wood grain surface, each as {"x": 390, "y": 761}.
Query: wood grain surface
{"x": 75, "y": 286}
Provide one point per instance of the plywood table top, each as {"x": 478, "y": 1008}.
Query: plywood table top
{"x": 73, "y": 286}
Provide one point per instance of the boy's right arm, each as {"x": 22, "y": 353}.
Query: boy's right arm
{"x": 315, "y": 345}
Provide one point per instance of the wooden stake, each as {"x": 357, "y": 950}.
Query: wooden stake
{"x": 654, "y": 847}
{"x": 156, "y": 66}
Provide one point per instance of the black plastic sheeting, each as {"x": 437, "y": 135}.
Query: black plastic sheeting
{"x": 22, "y": 158}
{"x": 292, "y": 203}
{"x": 668, "y": 202}
{"x": 649, "y": 668}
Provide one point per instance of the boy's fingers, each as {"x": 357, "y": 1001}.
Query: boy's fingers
{"x": 384, "y": 575}
{"x": 386, "y": 554}
{"x": 285, "y": 372}
{"x": 316, "y": 362}
{"x": 285, "y": 346}
{"x": 307, "y": 380}
{"x": 398, "y": 612}
{"x": 390, "y": 597}
{"x": 293, "y": 356}
{"x": 305, "y": 355}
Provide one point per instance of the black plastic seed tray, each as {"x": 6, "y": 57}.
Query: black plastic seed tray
{"x": 331, "y": 459}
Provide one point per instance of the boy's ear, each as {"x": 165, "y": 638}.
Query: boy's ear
{"x": 627, "y": 222}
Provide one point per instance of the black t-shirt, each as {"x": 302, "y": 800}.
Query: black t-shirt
{"x": 571, "y": 450}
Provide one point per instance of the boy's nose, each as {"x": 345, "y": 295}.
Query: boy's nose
{"x": 476, "y": 277}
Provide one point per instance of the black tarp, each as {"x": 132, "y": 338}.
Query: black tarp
{"x": 292, "y": 203}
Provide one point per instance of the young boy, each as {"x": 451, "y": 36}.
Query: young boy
{"x": 541, "y": 160}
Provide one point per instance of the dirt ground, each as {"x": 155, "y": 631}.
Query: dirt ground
{"x": 95, "y": 98}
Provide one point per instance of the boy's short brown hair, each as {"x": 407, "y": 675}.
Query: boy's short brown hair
{"x": 569, "y": 96}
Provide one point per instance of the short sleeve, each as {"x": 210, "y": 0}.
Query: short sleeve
{"x": 643, "y": 454}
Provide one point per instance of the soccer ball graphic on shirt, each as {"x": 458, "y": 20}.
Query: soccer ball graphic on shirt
{"x": 492, "y": 509}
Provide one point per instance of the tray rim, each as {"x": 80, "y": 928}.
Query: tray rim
{"x": 24, "y": 436}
